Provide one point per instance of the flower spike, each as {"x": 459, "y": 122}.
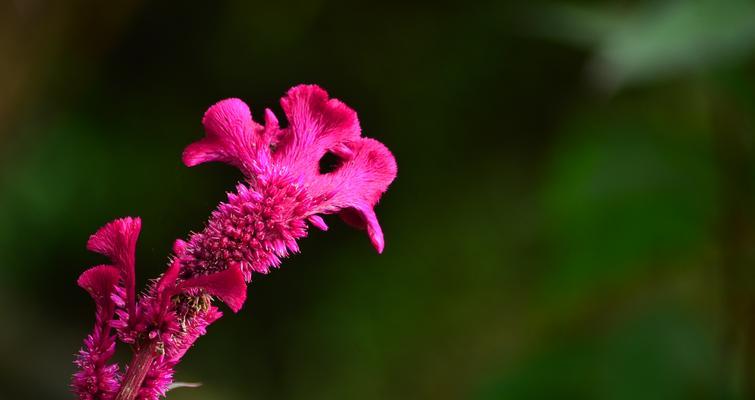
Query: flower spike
{"x": 117, "y": 241}
{"x": 95, "y": 377}
{"x": 285, "y": 191}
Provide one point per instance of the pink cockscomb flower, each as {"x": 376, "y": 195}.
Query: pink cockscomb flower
{"x": 285, "y": 190}
{"x": 95, "y": 378}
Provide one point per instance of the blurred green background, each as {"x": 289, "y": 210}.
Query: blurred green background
{"x": 574, "y": 215}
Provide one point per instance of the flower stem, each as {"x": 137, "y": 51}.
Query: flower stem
{"x": 137, "y": 370}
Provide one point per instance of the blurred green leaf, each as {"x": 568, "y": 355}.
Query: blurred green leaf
{"x": 624, "y": 198}
{"x": 646, "y": 356}
{"x": 654, "y": 40}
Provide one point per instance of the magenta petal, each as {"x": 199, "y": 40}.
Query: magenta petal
{"x": 99, "y": 281}
{"x": 318, "y": 222}
{"x": 357, "y": 185}
{"x": 316, "y": 124}
{"x": 168, "y": 280}
{"x": 366, "y": 176}
{"x": 228, "y": 285}
{"x": 231, "y": 137}
{"x": 94, "y": 377}
{"x": 117, "y": 240}
{"x": 365, "y": 219}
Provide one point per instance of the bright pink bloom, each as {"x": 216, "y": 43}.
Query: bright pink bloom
{"x": 260, "y": 223}
{"x": 285, "y": 188}
{"x": 155, "y": 322}
{"x": 96, "y": 379}
{"x": 117, "y": 241}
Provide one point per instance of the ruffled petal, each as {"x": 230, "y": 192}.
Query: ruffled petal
{"x": 232, "y": 137}
{"x": 99, "y": 281}
{"x": 117, "y": 240}
{"x": 365, "y": 218}
{"x": 317, "y": 124}
{"x": 356, "y": 186}
{"x": 318, "y": 222}
{"x": 227, "y": 285}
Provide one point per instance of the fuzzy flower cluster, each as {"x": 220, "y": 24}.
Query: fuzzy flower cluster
{"x": 285, "y": 190}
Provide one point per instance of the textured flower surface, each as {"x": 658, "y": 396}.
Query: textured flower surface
{"x": 285, "y": 190}
{"x": 96, "y": 379}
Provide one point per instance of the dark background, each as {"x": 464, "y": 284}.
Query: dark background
{"x": 573, "y": 214}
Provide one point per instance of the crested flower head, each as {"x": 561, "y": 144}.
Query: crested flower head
{"x": 285, "y": 190}
{"x": 117, "y": 241}
{"x": 157, "y": 322}
{"x": 95, "y": 378}
{"x": 285, "y": 187}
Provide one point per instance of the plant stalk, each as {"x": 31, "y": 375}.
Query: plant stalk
{"x": 136, "y": 373}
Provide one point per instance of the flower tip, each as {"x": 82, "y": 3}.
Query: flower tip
{"x": 229, "y": 136}
{"x": 306, "y": 90}
{"x": 99, "y": 281}
{"x": 365, "y": 218}
{"x": 192, "y": 155}
{"x": 271, "y": 121}
{"x": 225, "y": 112}
{"x": 376, "y": 237}
{"x": 312, "y": 114}
{"x": 318, "y": 222}
{"x": 179, "y": 247}
{"x": 227, "y": 285}
{"x": 114, "y": 236}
